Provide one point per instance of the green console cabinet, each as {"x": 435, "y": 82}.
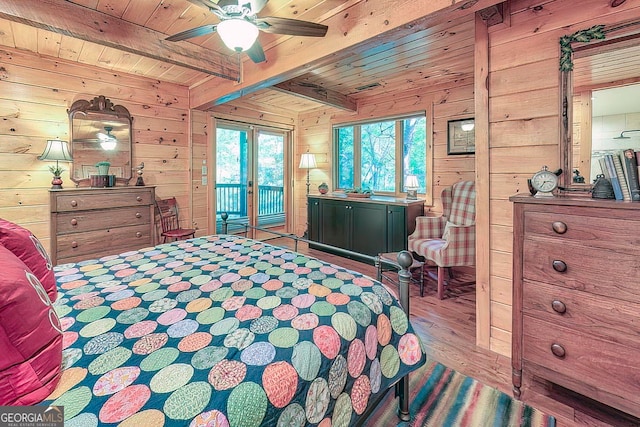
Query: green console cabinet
{"x": 369, "y": 226}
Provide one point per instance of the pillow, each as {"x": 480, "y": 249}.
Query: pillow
{"x": 28, "y": 248}
{"x": 30, "y": 335}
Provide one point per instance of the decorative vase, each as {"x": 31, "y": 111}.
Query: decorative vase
{"x": 56, "y": 183}
{"x": 323, "y": 188}
{"x": 103, "y": 168}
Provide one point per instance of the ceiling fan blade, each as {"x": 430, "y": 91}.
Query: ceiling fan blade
{"x": 194, "y": 32}
{"x": 256, "y": 53}
{"x": 208, "y": 4}
{"x": 292, "y": 27}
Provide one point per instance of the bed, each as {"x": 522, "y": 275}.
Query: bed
{"x": 225, "y": 331}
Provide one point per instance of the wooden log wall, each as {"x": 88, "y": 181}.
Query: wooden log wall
{"x": 35, "y": 94}
{"x": 524, "y": 124}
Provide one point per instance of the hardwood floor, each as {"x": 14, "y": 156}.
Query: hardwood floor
{"x": 447, "y": 329}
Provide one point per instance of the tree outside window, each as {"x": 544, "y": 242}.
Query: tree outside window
{"x": 365, "y": 154}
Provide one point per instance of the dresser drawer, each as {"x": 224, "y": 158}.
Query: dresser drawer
{"x": 597, "y": 368}
{"x": 103, "y": 242}
{"x": 605, "y": 233}
{"x": 74, "y": 222}
{"x": 612, "y": 273}
{"x": 590, "y": 314}
{"x": 115, "y": 199}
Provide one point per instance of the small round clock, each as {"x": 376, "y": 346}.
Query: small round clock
{"x": 544, "y": 182}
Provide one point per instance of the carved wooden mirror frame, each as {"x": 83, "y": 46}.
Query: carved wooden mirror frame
{"x": 101, "y": 114}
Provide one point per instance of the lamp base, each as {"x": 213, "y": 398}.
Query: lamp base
{"x": 412, "y": 194}
{"x": 56, "y": 183}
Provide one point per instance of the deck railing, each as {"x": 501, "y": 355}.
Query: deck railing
{"x": 232, "y": 198}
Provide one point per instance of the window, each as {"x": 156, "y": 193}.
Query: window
{"x": 378, "y": 156}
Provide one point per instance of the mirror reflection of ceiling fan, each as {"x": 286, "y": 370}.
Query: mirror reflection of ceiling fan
{"x": 107, "y": 141}
{"x": 239, "y": 26}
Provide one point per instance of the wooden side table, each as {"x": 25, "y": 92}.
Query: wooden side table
{"x": 393, "y": 258}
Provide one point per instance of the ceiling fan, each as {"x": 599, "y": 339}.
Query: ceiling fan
{"x": 239, "y": 26}
{"x": 107, "y": 141}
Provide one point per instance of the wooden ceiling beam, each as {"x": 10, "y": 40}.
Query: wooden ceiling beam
{"x": 362, "y": 23}
{"x": 305, "y": 89}
{"x": 64, "y": 17}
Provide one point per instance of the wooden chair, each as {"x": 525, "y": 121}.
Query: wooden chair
{"x": 167, "y": 211}
{"x": 448, "y": 240}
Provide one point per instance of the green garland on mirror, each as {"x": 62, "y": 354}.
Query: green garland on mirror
{"x": 583, "y": 36}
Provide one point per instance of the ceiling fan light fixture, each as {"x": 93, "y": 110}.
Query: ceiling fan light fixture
{"x": 107, "y": 142}
{"x": 238, "y": 34}
{"x": 108, "y": 145}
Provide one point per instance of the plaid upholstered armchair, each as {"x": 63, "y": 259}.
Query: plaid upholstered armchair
{"x": 448, "y": 240}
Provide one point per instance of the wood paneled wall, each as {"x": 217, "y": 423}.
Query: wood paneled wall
{"x": 524, "y": 124}
{"x": 35, "y": 94}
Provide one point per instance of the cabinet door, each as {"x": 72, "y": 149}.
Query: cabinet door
{"x": 335, "y": 220}
{"x": 368, "y": 224}
{"x": 313, "y": 219}
{"x": 396, "y": 228}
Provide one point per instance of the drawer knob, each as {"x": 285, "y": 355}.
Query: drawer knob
{"x": 138, "y": 234}
{"x": 139, "y": 198}
{"x": 559, "y": 266}
{"x": 74, "y": 221}
{"x": 138, "y": 215}
{"x": 559, "y": 227}
{"x": 74, "y": 203}
{"x": 558, "y": 306}
{"x": 558, "y": 350}
{"x": 74, "y": 244}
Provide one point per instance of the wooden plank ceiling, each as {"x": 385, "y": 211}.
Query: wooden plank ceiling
{"x": 110, "y": 34}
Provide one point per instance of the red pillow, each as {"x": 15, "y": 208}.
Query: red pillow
{"x": 28, "y": 248}
{"x": 30, "y": 335}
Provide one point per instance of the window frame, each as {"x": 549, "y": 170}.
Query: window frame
{"x": 357, "y": 153}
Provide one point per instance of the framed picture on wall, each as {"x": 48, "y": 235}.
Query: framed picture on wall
{"x": 461, "y": 136}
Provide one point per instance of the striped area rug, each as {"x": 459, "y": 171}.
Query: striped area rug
{"x": 441, "y": 397}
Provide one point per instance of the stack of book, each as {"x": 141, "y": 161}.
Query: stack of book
{"x": 621, "y": 168}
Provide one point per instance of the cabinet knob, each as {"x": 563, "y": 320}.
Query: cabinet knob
{"x": 559, "y": 266}
{"x": 138, "y": 215}
{"x": 559, "y": 227}
{"x": 138, "y": 234}
{"x": 558, "y": 350}
{"x": 139, "y": 198}
{"x": 74, "y": 221}
{"x": 558, "y": 306}
{"x": 74, "y": 203}
{"x": 74, "y": 244}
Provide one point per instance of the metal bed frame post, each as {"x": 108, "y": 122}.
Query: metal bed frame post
{"x": 404, "y": 278}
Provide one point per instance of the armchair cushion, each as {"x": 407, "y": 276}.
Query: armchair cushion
{"x": 448, "y": 240}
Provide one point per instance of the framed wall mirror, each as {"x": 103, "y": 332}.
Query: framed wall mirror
{"x": 100, "y": 132}
{"x": 600, "y": 86}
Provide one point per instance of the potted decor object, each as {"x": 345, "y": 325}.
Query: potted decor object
{"x": 56, "y": 170}
{"x": 323, "y": 188}
{"x": 103, "y": 168}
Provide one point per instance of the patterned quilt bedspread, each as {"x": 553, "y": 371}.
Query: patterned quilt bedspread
{"x": 225, "y": 331}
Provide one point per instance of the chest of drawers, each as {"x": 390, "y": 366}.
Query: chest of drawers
{"x": 89, "y": 223}
{"x": 576, "y": 298}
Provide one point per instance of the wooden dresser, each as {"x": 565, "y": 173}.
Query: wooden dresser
{"x": 576, "y": 300}
{"x": 93, "y": 222}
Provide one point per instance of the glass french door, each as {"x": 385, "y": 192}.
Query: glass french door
{"x": 250, "y": 176}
